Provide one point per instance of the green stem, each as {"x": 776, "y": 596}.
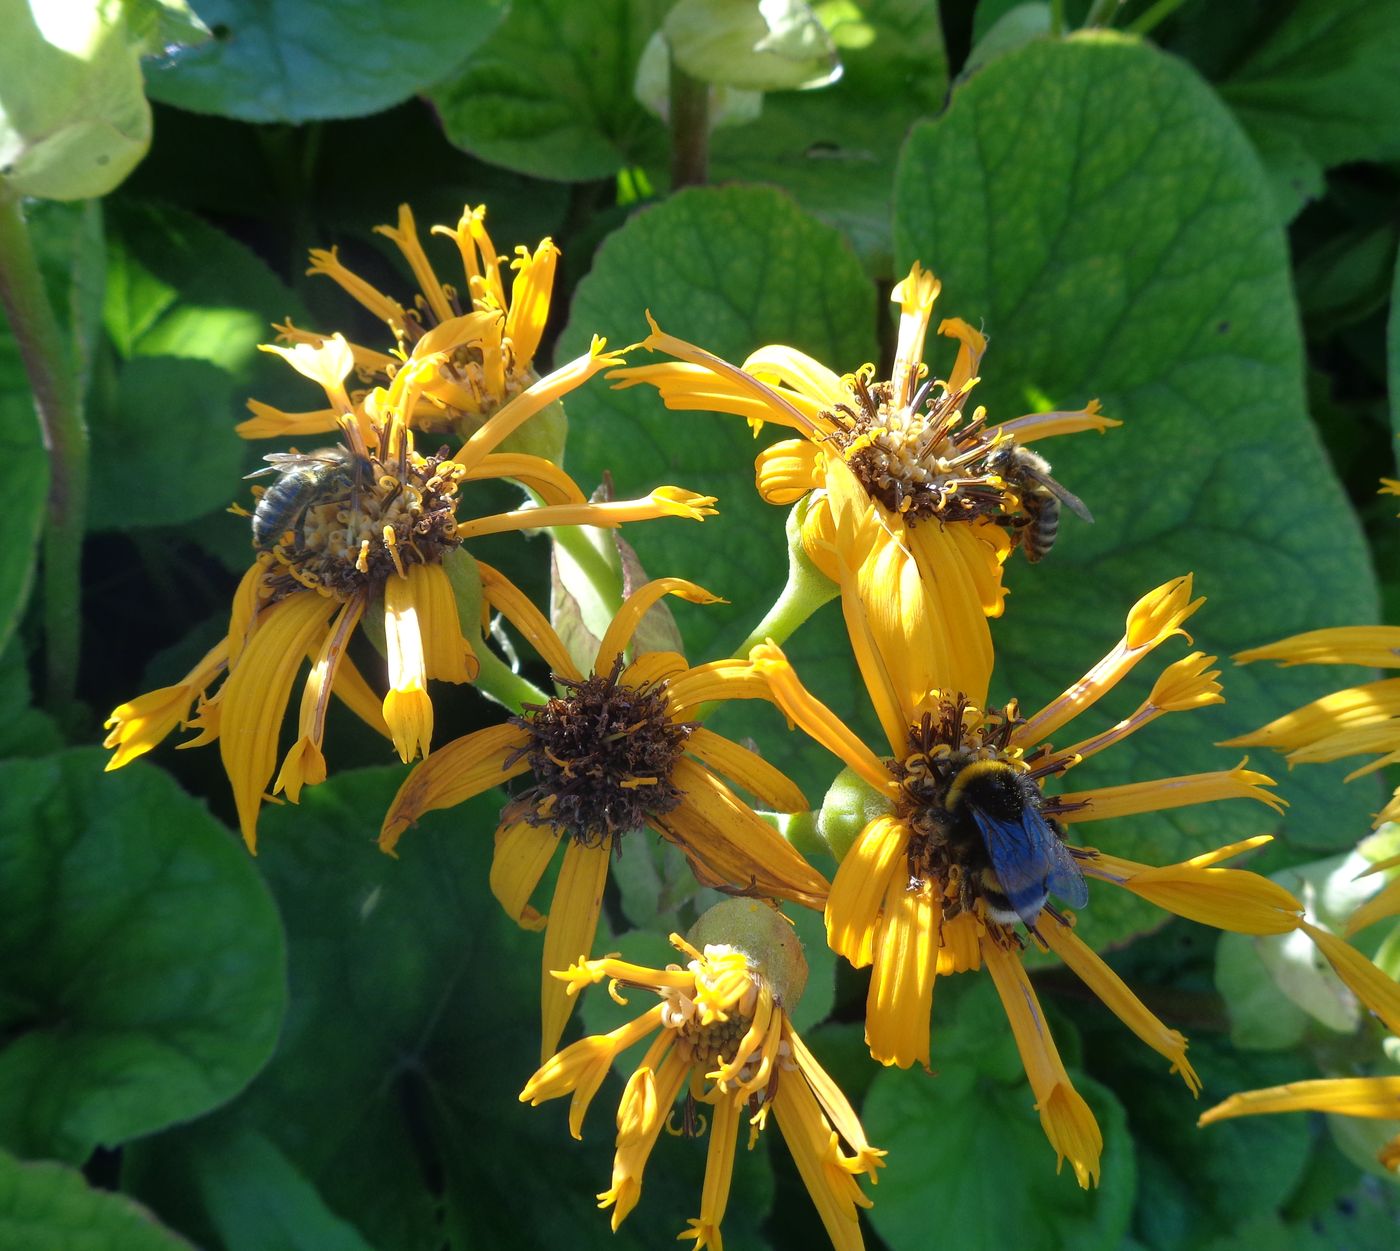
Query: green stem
{"x": 53, "y": 380}
{"x": 1101, "y": 12}
{"x": 498, "y": 681}
{"x": 800, "y": 598}
{"x": 603, "y": 576}
{"x": 1152, "y": 16}
{"x": 1057, "y": 18}
{"x": 690, "y": 129}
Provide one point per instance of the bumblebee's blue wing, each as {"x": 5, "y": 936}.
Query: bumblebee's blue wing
{"x": 1031, "y": 862}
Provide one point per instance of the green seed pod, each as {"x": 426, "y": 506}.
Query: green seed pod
{"x": 851, "y": 803}
{"x": 765, "y": 936}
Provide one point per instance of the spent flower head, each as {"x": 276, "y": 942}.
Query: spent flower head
{"x": 616, "y": 751}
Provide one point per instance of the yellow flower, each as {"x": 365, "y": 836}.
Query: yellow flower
{"x": 365, "y": 525}
{"x": 616, "y": 752}
{"x": 483, "y": 340}
{"x": 953, "y": 495}
{"x": 1358, "y": 720}
{"x": 969, "y": 848}
{"x": 724, "y": 1038}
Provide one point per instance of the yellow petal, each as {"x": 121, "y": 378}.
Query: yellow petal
{"x": 523, "y": 852}
{"x": 1381, "y": 994}
{"x": 139, "y": 724}
{"x": 785, "y": 471}
{"x": 573, "y": 921}
{"x": 543, "y": 477}
{"x": 1376, "y": 647}
{"x": 455, "y": 773}
{"x": 646, "y": 1103}
{"x": 749, "y": 770}
{"x": 635, "y": 606}
{"x": 407, "y": 708}
{"x": 515, "y": 606}
{"x": 1047, "y": 425}
{"x": 719, "y": 1172}
{"x": 1228, "y": 899}
{"x": 801, "y": 706}
{"x": 915, "y": 295}
{"x": 901, "y": 981}
{"x": 1114, "y": 993}
{"x": 1377, "y": 1097}
{"x": 254, "y": 698}
{"x": 1177, "y": 792}
{"x": 529, "y": 299}
{"x": 877, "y": 858}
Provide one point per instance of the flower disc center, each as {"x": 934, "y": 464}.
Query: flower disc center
{"x": 602, "y": 757}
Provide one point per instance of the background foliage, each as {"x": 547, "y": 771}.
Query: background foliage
{"x": 321, "y": 1048}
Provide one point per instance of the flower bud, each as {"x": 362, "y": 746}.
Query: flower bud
{"x": 851, "y": 803}
{"x": 765, "y": 936}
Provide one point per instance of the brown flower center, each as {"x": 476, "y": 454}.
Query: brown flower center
{"x": 602, "y": 757}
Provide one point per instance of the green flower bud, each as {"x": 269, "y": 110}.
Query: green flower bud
{"x": 850, "y": 804}
{"x": 765, "y": 936}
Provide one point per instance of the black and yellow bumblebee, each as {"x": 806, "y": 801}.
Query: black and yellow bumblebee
{"x": 994, "y": 807}
{"x": 304, "y": 479}
{"x": 1028, "y": 473}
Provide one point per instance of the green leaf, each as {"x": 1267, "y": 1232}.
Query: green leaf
{"x": 550, "y": 93}
{"x": 215, "y": 1175}
{"x": 967, "y": 1152}
{"x": 24, "y": 730}
{"x": 835, "y": 149}
{"x": 414, "y": 1023}
{"x": 1199, "y": 1182}
{"x": 73, "y": 116}
{"x": 1324, "y": 82}
{"x": 1015, "y": 27}
{"x": 46, "y": 1206}
{"x": 186, "y": 308}
{"x": 729, "y": 269}
{"x": 142, "y": 959}
{"x": 1114, "y": 236}
{"x": 780, "y": 46}
{"x": 302, "y": 60}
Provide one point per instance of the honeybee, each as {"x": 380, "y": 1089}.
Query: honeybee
{"x": 992, "y": 804}
{"x": 1041, "y": 496}
{"x": 303, "y": 480}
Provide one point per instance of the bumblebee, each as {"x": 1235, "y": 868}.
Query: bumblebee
{"x": 304, "y": 479}
{"x": 997, "y": 810}
{"x": 1041, "y": 496}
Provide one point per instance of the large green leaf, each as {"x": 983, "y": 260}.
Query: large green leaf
{"x": 550, "y": 94}
{"x": 186, "y": 308}
{"x": 730, "y": 269}
{"x": 968, "y": 1157}
{"x": 835, "y": 148}
{"x": 414, "y": 1022}
{"x": 45, "y": 1206}
{"x": 1114, "y": 235}
{"x": 24, "y": 729}
{"x": 142, "y": 959}
{"x": 300, "y": 60}
{"x": 1322, "y": 89}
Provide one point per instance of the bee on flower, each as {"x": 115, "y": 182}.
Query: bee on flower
{"x": 614, "y": 752}
{"x": 954, "y": 494}
{"x": 723, "y": 1043}
{"x": 968, "y": 850}
{"x": 368, "y": 525}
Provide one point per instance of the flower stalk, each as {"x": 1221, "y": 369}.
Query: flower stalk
{"x": 690, "y": 129}
{"x": 56, "y": 402}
